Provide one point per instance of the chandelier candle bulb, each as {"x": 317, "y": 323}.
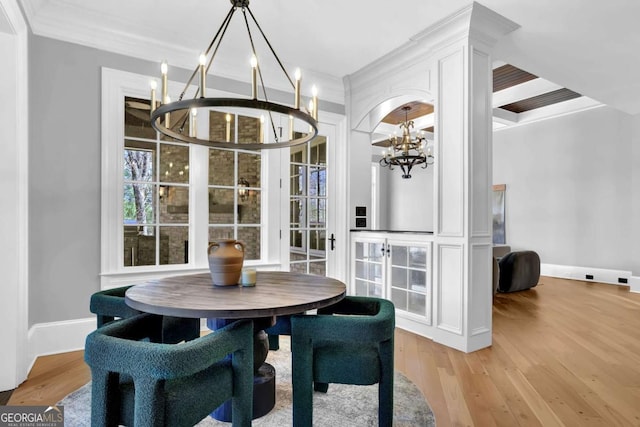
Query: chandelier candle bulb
{"x": 193, "y": 131}
{"x": 261, "y": 136}
{"x": 152, "y": 105}
{"x": 167, "y": 116}
{"x": 314, "y": 94}
{"x": 290, "y": 127}
{"x": 203, "y": 76}
{"x": 164, "y": 67}
{"x": 311, "y": 108}
{"x": 254, "y": 77}
{"x": 228, "y": 117}
{"x": 298, "y": 77}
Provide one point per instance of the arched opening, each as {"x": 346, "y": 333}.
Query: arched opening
{"x": 402, "y": 181}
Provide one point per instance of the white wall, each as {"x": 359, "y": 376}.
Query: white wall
{"x": 569, "y": 188}
{"x": 406, "y": 204}
{"x": 635, "y": 197}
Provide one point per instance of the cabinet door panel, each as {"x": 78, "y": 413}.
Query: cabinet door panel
{"x": 417, "y": 303}
{"x": 417, "y": 257}
{"x": 399, "y": 277}
{"x": 399, "y": 255}
{"x": 418, "y": 280}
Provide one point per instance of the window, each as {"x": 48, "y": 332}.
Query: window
{"x": 155, "y": 193}
{"x": 156, "y": 188}
{"x": 163, "y": 201}
{"x": 235, "y": 195}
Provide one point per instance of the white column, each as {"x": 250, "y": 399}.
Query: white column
{"x": 462, "y": 256}
{"x": 463, "y": 231}
{"x": 449, "y": 65}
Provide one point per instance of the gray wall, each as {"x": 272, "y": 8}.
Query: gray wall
{"x": 64, "y": 175}
{"x": 569, "y": 188}
{"x": 64, "y": 170}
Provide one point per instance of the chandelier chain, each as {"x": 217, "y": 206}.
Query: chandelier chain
{"x": 222, "y": 29}
{"x": 255, "y": 54}
{"x": 275, "y": 55}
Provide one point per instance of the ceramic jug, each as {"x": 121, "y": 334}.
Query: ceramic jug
{"x": 225, "y": 262}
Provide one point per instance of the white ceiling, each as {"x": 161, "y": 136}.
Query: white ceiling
{"x": 588, "y": 46}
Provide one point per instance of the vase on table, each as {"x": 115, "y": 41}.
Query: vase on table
{"x": 225, "y": 262}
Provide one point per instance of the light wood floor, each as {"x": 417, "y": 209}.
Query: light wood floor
{"x": 564, "y": 353}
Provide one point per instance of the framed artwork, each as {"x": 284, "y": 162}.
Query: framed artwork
{"x": 499, "y": 235}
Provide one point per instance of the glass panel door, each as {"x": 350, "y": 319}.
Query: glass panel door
{"x": 308, "y": 200}
{"x": 409, "y": 278}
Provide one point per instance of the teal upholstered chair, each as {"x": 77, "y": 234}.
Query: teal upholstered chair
{"x": 355, "y": 346}
{"x": 109, "y": 305}
{"x": 141, "y": 383}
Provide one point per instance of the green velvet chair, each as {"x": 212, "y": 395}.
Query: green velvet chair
{"x": 281, "y": 327}
{"x": 350, "y": 342}
{"x": 141, "y": 383}
{"x": 109, "y": 305}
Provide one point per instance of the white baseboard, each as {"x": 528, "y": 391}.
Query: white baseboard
{"x": 58, "y": 337}
{"x": 634, "y": 284}
{"x": 601, "y": 275}
{"x": 61, "y": 337}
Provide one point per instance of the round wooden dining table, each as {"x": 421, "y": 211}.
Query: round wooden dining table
{"x": 276, "y": 293}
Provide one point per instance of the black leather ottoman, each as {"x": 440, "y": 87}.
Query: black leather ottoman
{"x": 519, "y": 271}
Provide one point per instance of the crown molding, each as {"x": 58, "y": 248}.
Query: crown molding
{"x": 474, "y": 21}
{"x": 54, "y": 19}
{"x": 11, "y": 19}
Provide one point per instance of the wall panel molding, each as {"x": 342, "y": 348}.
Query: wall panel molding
{"x": 450, "y": 143}
{"x": 480, "y": 145}
{"x": 450, "y": 283}
{"x": 481, "y": 294}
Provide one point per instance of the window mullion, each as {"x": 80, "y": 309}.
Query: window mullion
{"x": 199, "y": 196}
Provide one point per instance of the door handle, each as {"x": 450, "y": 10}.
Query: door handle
{"x": 332, "y": 239}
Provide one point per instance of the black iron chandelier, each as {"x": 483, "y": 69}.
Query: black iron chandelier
{"x": 407, "y": 151}
{"x": 171, "y": 117}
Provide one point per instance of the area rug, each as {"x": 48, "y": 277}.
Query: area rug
{"x": 343, "y": 405}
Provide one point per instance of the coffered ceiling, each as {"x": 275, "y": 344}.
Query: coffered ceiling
{"x": 518, "y": 97}
{"x": 587, "y": 48}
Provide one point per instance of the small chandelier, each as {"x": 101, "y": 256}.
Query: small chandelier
{"x": 407, "y": 152}
{"x": 170, "y": 117}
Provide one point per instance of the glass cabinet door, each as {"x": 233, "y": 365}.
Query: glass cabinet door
{"x": 369, "y": 271}
{"x": 409, "y": 279}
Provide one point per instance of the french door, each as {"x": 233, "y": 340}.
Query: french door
{"x": 312, "y": 205}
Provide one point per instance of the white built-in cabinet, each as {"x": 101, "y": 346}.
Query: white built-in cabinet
{"x": 397, "y": 267}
